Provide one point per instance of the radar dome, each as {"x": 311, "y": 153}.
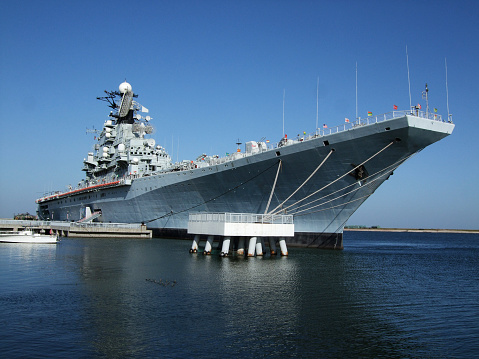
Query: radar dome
{"x": 125, "y": 87}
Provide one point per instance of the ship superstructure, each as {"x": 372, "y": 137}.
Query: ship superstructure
{"x": 321, "y": 178}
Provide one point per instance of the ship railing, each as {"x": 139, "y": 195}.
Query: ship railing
{"x": 90, "y": 185}
{"x": 348, "y": 125}
{"x": 225, "y": 217}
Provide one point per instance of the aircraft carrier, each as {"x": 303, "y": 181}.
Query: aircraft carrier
{"x": 320, "y": 178}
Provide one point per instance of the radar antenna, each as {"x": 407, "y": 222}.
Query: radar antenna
{"x": 124, "y": 96}
{"x": 125, "y": 105}
{"x": 110, "y": 98}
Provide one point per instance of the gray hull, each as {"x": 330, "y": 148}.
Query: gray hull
{"x": 164, "y": 201}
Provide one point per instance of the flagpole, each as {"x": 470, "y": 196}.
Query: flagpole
{"x": 408, "y": 79}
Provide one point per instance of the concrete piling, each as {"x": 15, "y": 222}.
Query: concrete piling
{"x": 226, "y": 247}
{"x": 209, "y": 245}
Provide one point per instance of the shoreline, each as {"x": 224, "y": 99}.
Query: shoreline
{"x": 418, "y": 230}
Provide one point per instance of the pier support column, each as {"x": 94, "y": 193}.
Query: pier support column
{"x": 272, "y": 246}
{"x": 194, "y": 246}
{"x": 209, "y": 245}
{"x": 282, "y": 245}
{"x": 226, "y": 247}
{"x": 240, "y": 249}
{"x": 251, "y": 246}
{"x": 259, "y": 247}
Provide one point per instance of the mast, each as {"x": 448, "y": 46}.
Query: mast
{"x": 425, "y": 96}
{"x": 447, "y": 94}
{"x": 356, "y": 90}
{"x": 408, "y": 79}
{"x": 317, "y": 101}
{"x": 284, "y": 94}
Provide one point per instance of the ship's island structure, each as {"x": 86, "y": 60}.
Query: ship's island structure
{"x": 319, "y": 178}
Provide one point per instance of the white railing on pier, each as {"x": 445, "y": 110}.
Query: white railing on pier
{"x": 24, "y": 223}
{"x": 224, "y": 217}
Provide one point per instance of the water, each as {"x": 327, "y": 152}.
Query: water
{"x": 391, "y": 295}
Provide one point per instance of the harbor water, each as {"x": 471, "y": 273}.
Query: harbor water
{"x": 407, "y": 295}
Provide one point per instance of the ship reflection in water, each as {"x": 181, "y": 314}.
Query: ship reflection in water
{"x": 395, "y": 295}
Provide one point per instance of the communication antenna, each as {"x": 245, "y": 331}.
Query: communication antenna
{"x": 284, "y": 94}
{"x": 447, "y": 93}
{"x": 238, "y": 143}
{"x": 317, "y": 102}
{"x": 356, "y": 90}
{"x": 408, "y": 80}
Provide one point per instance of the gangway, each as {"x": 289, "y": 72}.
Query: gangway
{"x": 90, "y": 218}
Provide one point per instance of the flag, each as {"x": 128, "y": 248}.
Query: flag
{"x": 346, "y": 120}
{"x": 304, "y": 132}
{"x": 395, "y": 107}
{"x": 419, "y": 106}
{"x": 435, "y": 109}
{"x": 144, "y": 109}
{"x": 325, "y": 126}
{"x": 370, "y": 113}
{"x": 267, "y": 141}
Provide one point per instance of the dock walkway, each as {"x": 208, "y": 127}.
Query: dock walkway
{"x": 77, "y": 230}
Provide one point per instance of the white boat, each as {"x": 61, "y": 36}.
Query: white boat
{"x": 28, "y": 236}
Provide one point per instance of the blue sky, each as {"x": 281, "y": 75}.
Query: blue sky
{"x": 211, "y": 72}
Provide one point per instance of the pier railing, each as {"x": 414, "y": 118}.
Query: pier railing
{"x": 105, "y": 225}
{"x": 24, "y": 223}
{"x": 224, "y": 217}
{"x": 66, "y": 225}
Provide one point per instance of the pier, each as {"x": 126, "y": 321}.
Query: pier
{"x": 79, "y": 230}
{"x": 240, "y": 232}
